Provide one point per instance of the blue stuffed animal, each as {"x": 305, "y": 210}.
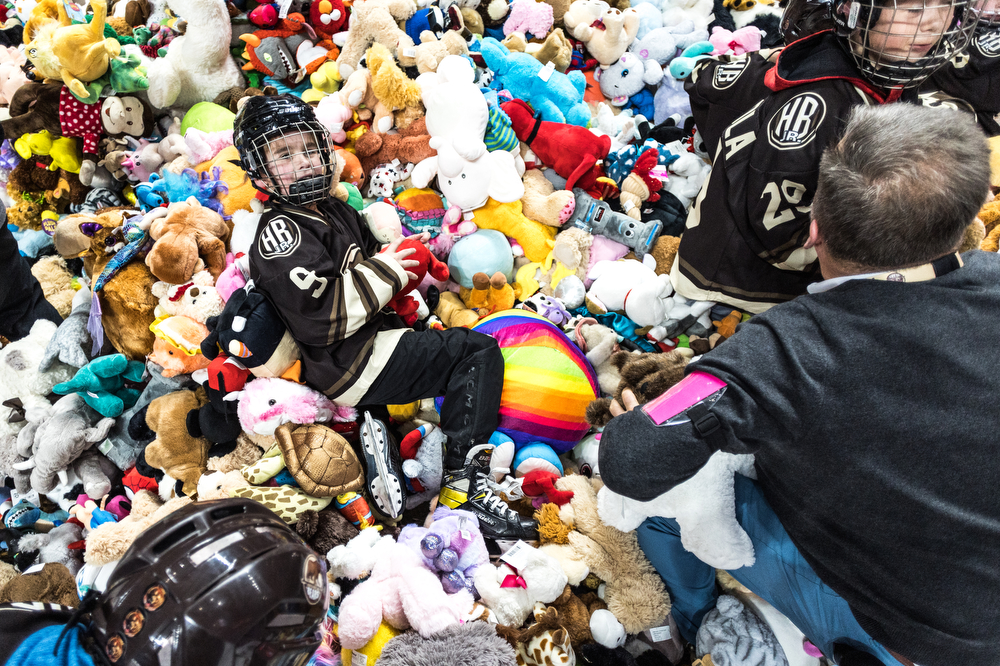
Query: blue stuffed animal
{"x": 556, "y": 96}
{"x": 101, "y": 384}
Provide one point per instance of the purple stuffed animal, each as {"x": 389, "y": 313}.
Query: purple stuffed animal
{"x": 453, "y": 547}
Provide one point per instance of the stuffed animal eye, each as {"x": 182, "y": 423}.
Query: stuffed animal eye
{"x": 463, "y": 175}
{"x": 128, "y": 108}
{"x": 129, "y": 122}
{"x": 271, "y": 402}
{"x": 624, "y": 72}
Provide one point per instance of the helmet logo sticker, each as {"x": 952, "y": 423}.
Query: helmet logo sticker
{"x": 115, "y": 648}
{"x": 795, "y": 124}
{"x": 154, "y": 597}
{"x": 312, "y": 579}
{"x": 727, "y": 73}
{"x": 989, "y": 44}
{"x": 133, "y": 622}
{"x": 278, "y": 239}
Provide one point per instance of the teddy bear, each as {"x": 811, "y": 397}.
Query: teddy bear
{"x": 198, "y": 65}
{"x": 375, "y": 21}
{"x": 324, "y": 530}
{"x": 529, "y": 16}
{"x": 530, "y": 576}
{"x": 607, "y": 32}
{"x": 188, "y": 231}
{"x": 543, "y": 203}
{"x": 391, "y": 86}
{"x": 177, "y": 452}
{"x": 410, "y": 145}
{"x": 555, "y": 49}
{"x": 633, "y": 591}
{"x": 63, "y": 440}
{"x": 646, "y": 375}
{"x": 126, "y": 300}
{"x": 453, "y": 313}
{"x": 428, "y": 54}
{"x": 357, "y": 93}
{"x": 197, "y": 298}
{"x": 403, "y": 303}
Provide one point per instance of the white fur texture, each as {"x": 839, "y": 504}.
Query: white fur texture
{"x": 198, "y": 65}
{"x": 704, "y": 507}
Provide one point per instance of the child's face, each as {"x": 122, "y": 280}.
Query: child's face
{"x": 293, "y": 157}
{"x": 909, "y": 29}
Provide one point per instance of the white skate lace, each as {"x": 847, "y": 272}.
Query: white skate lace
{"x": 493, "y": 501}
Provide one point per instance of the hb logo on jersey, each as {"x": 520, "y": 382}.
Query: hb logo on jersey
{"x": 727, "y": 73}
{"x": 278, "y": 239}
{"x": 989, "y": 44}
{"x": 796, "y": 122}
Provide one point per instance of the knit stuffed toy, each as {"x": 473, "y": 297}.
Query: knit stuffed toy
{"x": 574, "y": 152}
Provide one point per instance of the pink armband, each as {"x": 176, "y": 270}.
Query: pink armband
{"x": 671, "y": 407}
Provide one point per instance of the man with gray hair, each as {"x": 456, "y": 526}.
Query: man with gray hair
{"x": 870, "y": 406}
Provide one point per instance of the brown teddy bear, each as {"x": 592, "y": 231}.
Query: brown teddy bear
{"x": 175, "y": 451}
{"x": 543, "y": 203}
{"x": 127, "y": 301}
{"x": 375, "y": 21}
{"x": 188, "y": 231}
{"x": 647, "y": 375}
{"x": 428, "y": 54}
{"x": 410, "y": 145}
{"x": 663, "y": 251}
{"x": 575, "y": 612}
{"x": 453, "y": 313}
{"x": 323, "y": 530}
{"x": 28, "y": 178}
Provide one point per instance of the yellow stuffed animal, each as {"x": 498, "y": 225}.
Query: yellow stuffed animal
{"x": 535, "y": 238}
{"x": 391, "y": 86}
{"x": 83, "y": 52}
{"x": 489, "y": 294}
{"x": 64, "y": 150}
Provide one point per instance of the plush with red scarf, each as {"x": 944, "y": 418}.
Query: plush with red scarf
{"x": 404, "y": 304}
{"x": 574, "y": 152}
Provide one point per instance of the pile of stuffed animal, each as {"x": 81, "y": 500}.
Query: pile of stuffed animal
{"x": 547, "y": 149}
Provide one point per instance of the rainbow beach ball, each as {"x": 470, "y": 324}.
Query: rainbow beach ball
{"x": 547, "y": 384}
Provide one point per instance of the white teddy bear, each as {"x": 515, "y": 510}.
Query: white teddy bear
{"x": 197, "y": 298}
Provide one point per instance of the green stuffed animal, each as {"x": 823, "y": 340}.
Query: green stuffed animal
{"x": 101, "y": 384}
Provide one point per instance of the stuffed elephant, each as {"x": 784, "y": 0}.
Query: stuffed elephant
{"x": 60, "y": 442}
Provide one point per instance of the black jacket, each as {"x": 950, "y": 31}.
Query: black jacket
{"x": 972, "y": 77}
{"x": 321, "y": 273}
{"x": 743, "y": 241}
{"x": 871, "y": 410}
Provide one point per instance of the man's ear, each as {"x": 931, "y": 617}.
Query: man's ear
{"x": 814, "y": 237}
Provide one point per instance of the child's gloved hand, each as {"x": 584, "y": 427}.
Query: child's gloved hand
{"x": 392, "y": 249}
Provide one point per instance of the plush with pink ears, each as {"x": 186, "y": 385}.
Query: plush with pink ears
{"x": 268, "y": 402}
{"x": 742, "y": 41}
{"x": 404, "y": 593}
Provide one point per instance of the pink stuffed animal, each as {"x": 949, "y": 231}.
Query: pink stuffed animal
{"x": 530, "y": 17}
{"x": 332, "y": 114}
{"x": 405, "y": 594}
{"x": 268, "y": 402}
{"x": 11, "y": 75}
{"x": 453, "y": 227}
{"x": 742, "y": 41}
{"x": 203, "y": 146}
{"x": 232, "y": 278}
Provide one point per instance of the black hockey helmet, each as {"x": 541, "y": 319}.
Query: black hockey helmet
{"x": 899, "y": 43}
{"x": 802, "y": 18}
{"x": 299, "y": 167}
{"x": 222, "y": 582}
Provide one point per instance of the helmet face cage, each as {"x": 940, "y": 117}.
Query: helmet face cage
{"x": 294, "y": 161}
{"x": 899, "y": 43}
{"x": 989, "y": 15}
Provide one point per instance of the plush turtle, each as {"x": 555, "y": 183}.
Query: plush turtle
{"x": 322, "y": 462}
